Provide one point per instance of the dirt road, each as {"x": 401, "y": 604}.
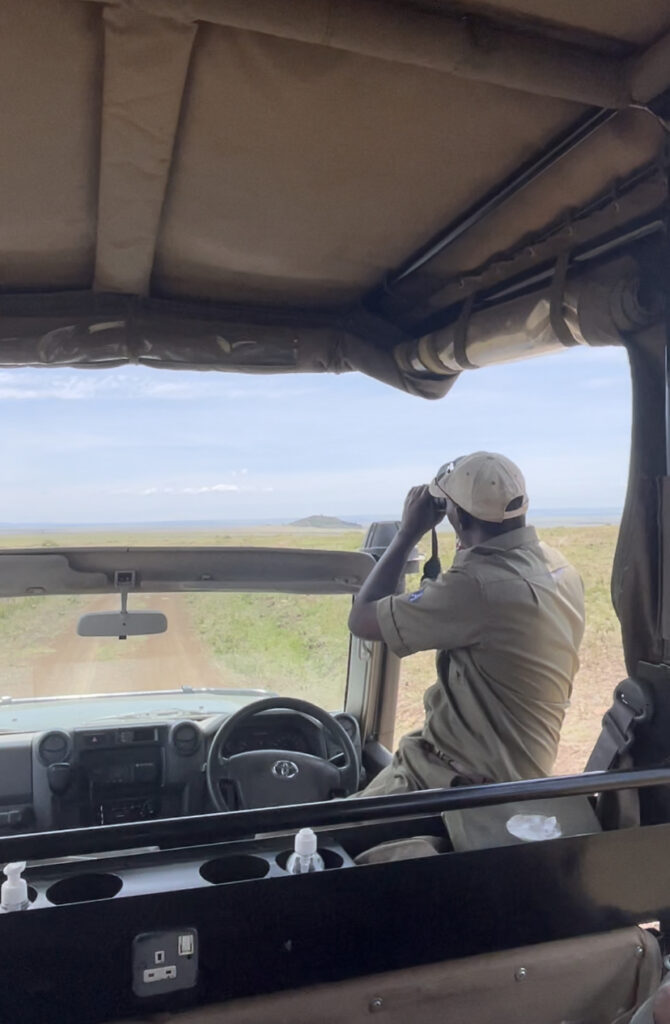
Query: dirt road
{"x": 166, "y": 661}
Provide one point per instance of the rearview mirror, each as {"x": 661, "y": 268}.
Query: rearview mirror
{"x": 121, "y": 624}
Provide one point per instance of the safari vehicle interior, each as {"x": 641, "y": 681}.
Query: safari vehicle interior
{"x": 411, "y": 189}
{"x": 134, "y": 753}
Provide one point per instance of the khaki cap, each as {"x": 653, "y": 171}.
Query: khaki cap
{"x": 484, "y": 484}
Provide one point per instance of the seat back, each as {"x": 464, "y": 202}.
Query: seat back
{"x": 596, "y": 979}
{"x": 481, "y": 828}
{"x": 634, "y": 735}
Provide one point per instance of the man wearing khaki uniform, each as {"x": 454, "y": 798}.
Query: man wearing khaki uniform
{"x": 506, "y": 621}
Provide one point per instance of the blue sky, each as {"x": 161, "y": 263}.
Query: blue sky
{"x": 138, "y": 444}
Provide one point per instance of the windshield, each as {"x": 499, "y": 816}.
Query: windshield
{"x": 219, "y": 650}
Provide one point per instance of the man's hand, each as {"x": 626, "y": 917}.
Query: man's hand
{"x": 420, "y": 513}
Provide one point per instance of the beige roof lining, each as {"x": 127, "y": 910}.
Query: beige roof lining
{"x": 622, "y": 23}
{"x": 376, "y": 28}
{"x": 428, "y": 112}
{"x": 148, "y": 46}
{"x": 142, "y": 97}
{"x": 468, "y": 47}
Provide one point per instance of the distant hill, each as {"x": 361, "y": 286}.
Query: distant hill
{"x": 325, "y": 523}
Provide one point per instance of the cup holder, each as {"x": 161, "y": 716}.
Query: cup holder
{"x": 331, "y": 859}
{"x": 85, "y": 887}
{"x": 239, "y": 868}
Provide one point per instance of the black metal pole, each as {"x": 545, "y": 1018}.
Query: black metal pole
{"x": 540, "y": 274}
{"x": 523, "y": 176}
{"x": 664, "y": 540}
{"x": 172, "y": 833}
{"x": 666, "y": 325}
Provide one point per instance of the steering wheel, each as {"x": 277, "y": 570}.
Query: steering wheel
{"x": 271, "y": 778}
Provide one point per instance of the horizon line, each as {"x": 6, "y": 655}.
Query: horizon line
{"x": 353, "y": 519}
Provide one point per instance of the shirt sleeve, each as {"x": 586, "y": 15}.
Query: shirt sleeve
{"x": 442, "y": 615}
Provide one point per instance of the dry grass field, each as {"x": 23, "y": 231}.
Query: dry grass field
{"x": 293, "y": 645}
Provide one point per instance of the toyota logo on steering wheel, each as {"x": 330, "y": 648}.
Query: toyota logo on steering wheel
{"x": 285, "y": 769}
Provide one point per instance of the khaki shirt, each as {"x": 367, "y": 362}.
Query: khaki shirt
{"x": 506, "y": 621}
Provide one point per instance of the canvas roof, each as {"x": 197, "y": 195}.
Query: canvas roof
{"x": 169, "y": 166}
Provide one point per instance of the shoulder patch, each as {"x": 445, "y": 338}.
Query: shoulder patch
{"x": 416, "y": 596}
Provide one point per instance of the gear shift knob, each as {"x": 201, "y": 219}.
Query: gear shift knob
{"x": 59, "y": 776}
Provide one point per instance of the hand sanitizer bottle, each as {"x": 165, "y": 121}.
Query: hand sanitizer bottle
{"x": 14, "y": 891}
{"x": 305, "y": 857}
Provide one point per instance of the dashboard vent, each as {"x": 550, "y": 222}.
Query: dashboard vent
{"x": 53, "y": 747}
{"x": 185, "y": 738}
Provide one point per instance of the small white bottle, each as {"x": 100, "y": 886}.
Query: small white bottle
{"x": 304, "y": 857}
{"x": 14, "y": 891}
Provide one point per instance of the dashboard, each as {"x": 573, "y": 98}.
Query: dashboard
{"x": 97, "y": 776}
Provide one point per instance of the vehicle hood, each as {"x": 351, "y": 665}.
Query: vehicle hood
{"x": 33, "y": 714}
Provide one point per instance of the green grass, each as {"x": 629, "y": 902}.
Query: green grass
{"x": 294, "y": 644}
{"x": 28, "y": 624}
{"x": 266, "y": 536}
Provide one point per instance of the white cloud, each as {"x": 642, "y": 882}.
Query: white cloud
{"x": 15, "y": 387}
{"x": 54, "y": 383}
{"x": 18, "y": 393}
{"x": 186, "y": 489}
{"x": 206, "y": 489}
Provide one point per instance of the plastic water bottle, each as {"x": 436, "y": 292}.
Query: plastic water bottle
{"x": 304, "y": 857}
{"x": 14, "y": 891}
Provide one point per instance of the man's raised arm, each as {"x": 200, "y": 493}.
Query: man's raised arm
{"x": 420, "y": 514}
